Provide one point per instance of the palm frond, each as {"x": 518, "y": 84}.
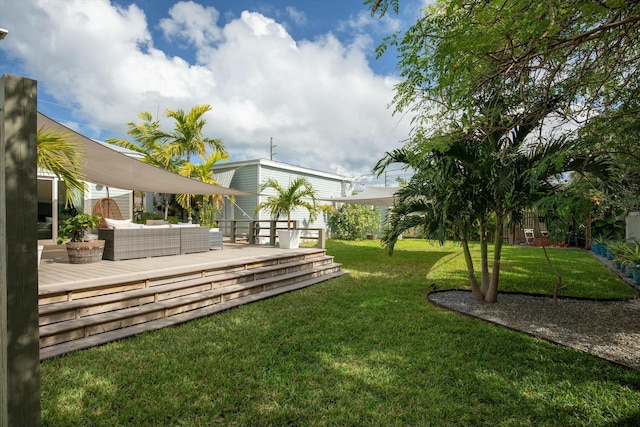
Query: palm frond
{"x": 61, "y": 155}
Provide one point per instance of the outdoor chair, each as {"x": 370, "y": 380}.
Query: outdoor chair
{"x": 543, "y": 229}
{"x": 106, "y": 208}
{"x": 529, "y": 236}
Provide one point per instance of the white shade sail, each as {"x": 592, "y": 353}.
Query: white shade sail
{"x": 371, "y": 196}
{"x": 106, "y": 166}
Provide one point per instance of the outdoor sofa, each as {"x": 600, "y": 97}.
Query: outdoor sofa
{"x": 125, "y": 240}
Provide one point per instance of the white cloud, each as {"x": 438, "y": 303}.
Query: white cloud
{"x": 319, "y": 100}
{"x": 364, "y": 22}
{"x": 191, "y": 22}
{"x": 297, "y": 16}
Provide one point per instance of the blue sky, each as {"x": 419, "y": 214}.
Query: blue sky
{"x": 301, "y": 72}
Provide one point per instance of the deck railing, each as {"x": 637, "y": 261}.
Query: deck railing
{"x": 265, "y": 232}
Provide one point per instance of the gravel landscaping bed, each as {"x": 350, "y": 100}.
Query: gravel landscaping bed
{"x": 607, "y": 329}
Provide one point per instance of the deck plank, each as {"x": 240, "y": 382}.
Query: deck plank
{"x": 56, "y": 270}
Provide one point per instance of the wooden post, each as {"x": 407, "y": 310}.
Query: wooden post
{"x": 252, "y": 232}
{"x": 322, "y": 238}
{"x": 20, "y": 358}
{"x": 272, "y": 232}
{"x": 234, "y": 230}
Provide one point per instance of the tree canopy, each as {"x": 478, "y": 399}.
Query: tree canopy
{"x": 492, "y": 87}
{"x": 172, "y": 150}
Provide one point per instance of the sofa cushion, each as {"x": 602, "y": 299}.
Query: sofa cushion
{"x": 156, "y": 222}
{"x": 118, "y": 223}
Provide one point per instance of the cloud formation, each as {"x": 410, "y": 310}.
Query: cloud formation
{"x": 319, "y": 99}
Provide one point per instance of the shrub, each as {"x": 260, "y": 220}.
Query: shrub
{"x": 352, "y": 222}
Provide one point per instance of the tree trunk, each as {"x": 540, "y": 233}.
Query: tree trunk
{"x": 473, "y": 281}
{"x": 492, "y": 293}
{"x": 587, "y": 233}
{"x": 558, "y": 285}
{"x": 484, "y": 255}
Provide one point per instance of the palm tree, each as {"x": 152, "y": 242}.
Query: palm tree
{"x": 201, "y": 172}
{"x": 58, "y": 154}
{"x": 287, "y": 199}
{"x": 468, "y": 178}
{"x": 187, "y": 138}
{"x": 148, "y": 140}
{"x": 172, "y": 150}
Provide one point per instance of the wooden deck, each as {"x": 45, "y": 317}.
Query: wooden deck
{"x": 83, "y": 305}
{"x": 55, "y": 269}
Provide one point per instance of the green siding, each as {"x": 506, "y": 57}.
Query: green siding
{"x": 245, "y": 179}
{"x": 249, "y": 175}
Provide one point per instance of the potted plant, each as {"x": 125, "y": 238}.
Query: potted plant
{"x": 617, "y": 249}
{"x": 79, "y": 249}
{"x": 300, "y": 193}
{"x": 597, "y": 244}
{"x": 631, "y": 258}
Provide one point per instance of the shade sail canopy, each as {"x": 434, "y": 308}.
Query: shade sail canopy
{"x": 371, "y": 196}
{"x": 106, "y": 166}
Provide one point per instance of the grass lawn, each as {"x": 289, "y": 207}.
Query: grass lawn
{"x": 366, "y": 349}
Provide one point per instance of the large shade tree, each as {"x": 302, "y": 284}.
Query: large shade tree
{"x": 483, "y": 80}
{"x": 586, "y": 51}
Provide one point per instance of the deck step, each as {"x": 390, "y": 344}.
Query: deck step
{"x": 165, "y": 308}
{"x": 113, "y": 335}
{"x": 98, "y": 311}
{"x": 114, "y": 284}
{"x": 71, "y": 309}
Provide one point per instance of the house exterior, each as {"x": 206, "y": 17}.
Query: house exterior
{"x": 250, "y": 174}
{"x": 51, "y": 194}
{"x": 52, "y": 209}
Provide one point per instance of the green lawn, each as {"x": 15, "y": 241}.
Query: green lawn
{"x": 366, "y": 349}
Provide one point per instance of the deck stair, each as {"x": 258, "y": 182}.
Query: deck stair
{"x": 101, "y": 310}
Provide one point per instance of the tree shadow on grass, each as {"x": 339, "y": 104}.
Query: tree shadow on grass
{"x": 359, "y": 350}
{"x": 401, "y": 364}
{"x": 376, "y": 260}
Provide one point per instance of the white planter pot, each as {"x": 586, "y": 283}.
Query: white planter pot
{"x": 289, "y": 239}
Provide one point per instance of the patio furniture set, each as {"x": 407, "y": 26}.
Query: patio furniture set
{"x": 127, "y": 240}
